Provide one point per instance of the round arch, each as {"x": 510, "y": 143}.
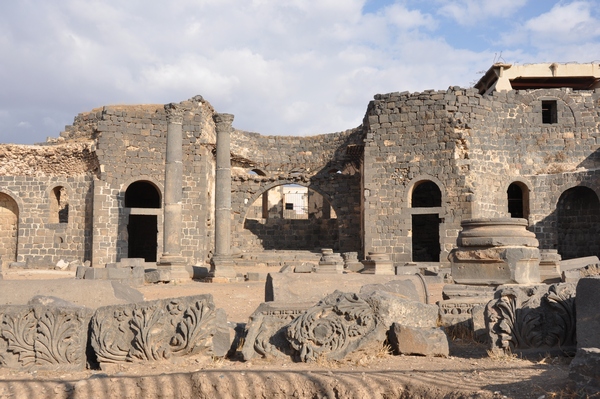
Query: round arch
{"x": 148, "y": 186}
{"x": 422, "y": 179}
{"x": 578, "y": 222}
{"x": 518, "y": 197}
{"x": 10, "y": 215}
{"x": 249, "y": 201}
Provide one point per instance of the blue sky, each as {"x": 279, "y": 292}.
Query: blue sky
{"x": 283, "y": 67}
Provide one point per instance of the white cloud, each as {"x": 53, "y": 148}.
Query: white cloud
{"x": 473, "y": 12}
{"x": 24, "y": 125}
{"x": 282, "y": 67}
{"x": 565, "y": 23}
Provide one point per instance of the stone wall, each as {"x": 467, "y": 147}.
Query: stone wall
{"x": 473, "y": 148}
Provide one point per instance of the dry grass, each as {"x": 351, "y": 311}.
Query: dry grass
{"x": 500, "y": 355}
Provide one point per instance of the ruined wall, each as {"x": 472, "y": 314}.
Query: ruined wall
{"x": 308, "y": 161}
{"x": 508, "y": 142}
{"x": 31, "y": 177}
{"x": 131, "y": 143}
{"x": 413, "y": 138}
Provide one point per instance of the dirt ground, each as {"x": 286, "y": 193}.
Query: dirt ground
{"x": 469, "y": 372}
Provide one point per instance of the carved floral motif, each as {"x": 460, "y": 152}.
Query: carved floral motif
{"x": 341, "y": 323}
{"x": 536, "y": 317}
{"x": 153, "y": 331}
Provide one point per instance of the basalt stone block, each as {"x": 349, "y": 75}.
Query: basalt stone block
{"x": 495, "y": 251}
{"x": 44, "y": 337}
{"x": 584, "y": 371}
{"x": 158, "y": 330}
{"x": 265, "y": 333}
{"x": 532, "y": 319}
{"x": 418, "y": 341}
{"x": 393, "y": 309}
{"x": 588, "y": 317}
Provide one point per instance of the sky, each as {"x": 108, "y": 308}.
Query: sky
{"x": 282, "y": 67}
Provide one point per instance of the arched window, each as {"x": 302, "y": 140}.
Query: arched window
{"x": 9, "y": 228}
{"x": 518, "y": 200}
{"x": 426, "y": 194}
{"x": 59, "y": 205}
{"x": 142, "y": 194}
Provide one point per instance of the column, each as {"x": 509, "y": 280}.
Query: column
{"x": 222, "y": 262}
{"x": 171, "y": 264}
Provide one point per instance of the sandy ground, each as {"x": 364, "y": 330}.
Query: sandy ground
{"x": 468, "y": 372}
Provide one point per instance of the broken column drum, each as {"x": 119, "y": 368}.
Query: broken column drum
{"x": 495, "y": 251}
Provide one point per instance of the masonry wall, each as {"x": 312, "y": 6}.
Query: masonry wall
{"x": 412, "y": 138}
{"x": 308, "y": 161}
{"x": 131, "y": 142}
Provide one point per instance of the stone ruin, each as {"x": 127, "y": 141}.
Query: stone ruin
{"x": 481, "y": 204}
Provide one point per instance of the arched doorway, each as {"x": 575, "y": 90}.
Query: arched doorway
{"x": 142, "y": 228}
{"x": 9, "y": 228}
{"x": 518, "y": 200}
{"x": 426, "y": 222}
{"x": 291, "y": 217}
{"x": 578, "y": 223}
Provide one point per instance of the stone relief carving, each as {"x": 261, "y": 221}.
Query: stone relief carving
{"x": 154, "y": 330}
{"x": 532, "y": 318}
{"x": 40, "y": 337}
{"x": 339, "y": 324}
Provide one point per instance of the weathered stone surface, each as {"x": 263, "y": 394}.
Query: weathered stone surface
{"x": 584, "y": 371}
{"x": 402, "y": 288}
{"x": 157, "y": 330}
{"x": 378, "y": 263}
{"x": 265, "y": 333}
{"x": 330, "y": 262}
{"x": 304, "y": 267}
{"x": 44, "y": 337}
{"x": 495, "y": 251}
{"x": 574, "y": 275}
{"x": 393, "y": 309}
{"x": 418, "y": 341}
{"x": 339, "y": 324}
{"x": 588, "y": 316}
{"x": 578, "y": 263}
{"x": 294, "y": 287}
{"x": 532, "y": 319}
{"x": 459, "y": 311}
{"x": 550, "y": 266}
{"x": 88, "y": 293}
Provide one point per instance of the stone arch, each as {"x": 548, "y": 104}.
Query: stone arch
{"x": 10, "y": 209}
{"x": 551, "y": 94}
{"x": 578, "y": 222}
{"x": 249, "y": 201}
{"x": 415, "y": 182}
{"x": 288, "y": 231}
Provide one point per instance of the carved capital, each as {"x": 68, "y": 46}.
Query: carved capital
{"x": 223, "y": 121}
{"x": 174, "y": 113}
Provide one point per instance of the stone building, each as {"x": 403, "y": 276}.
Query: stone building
{"x": 523, "y": 143}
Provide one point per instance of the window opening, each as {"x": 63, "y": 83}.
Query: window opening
{"x": 515, "y": 201}
{"x": 426, "y": 195}
{"x": 549, "y": 114}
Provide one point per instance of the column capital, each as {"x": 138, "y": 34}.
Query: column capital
{"x": 223, "y": 119}
{"x": 174, "y": 113}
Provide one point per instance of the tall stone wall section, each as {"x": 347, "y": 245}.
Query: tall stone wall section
{"x": 131, "y": 143}
{"x": 412, "y": 138}
{"x": 308, "y": 161}
{"x": 42, "y": 241}
{"x": 508, "y": 143}
{"x": 33, "y": 232}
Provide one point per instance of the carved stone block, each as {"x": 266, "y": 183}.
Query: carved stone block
{"x": 584, "y": 371}
{"x": 265, "y": 334}
{"x": 155, "y": 330}
{"x": 535, "y": 319}
{"x": 44, "y": 337}
{"x": 339, "y": 324}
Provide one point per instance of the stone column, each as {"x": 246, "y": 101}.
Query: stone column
{"x": 171, "y": 265}
{"x": 222, "y": 262}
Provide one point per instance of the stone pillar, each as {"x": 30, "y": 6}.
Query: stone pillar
{"x": 171, "y": 265}
{"x": 222, "y": 262}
